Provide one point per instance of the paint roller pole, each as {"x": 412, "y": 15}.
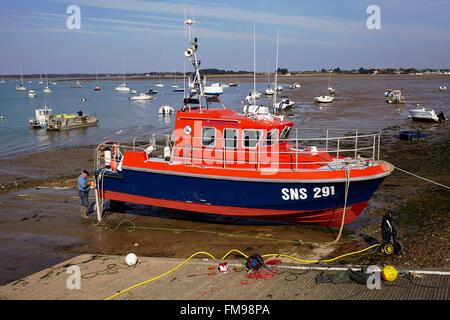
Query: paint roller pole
{"x": 97, "y": 205}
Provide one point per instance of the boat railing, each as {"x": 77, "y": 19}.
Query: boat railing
{"x": 306, "y": 150}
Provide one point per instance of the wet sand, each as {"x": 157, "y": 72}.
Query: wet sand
{"x": 41, "y": 226}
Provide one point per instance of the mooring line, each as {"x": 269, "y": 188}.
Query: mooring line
{"x": 428, "y": 180}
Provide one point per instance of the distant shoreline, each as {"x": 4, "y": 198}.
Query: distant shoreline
{"x": 229, "y": 77}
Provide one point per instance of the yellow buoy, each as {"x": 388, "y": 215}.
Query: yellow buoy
{"x": 389, "y": 273}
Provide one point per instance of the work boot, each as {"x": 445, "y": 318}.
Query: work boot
{"x": 83, "y": 211}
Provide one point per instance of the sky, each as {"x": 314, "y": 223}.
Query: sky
{"x": 150, "y": 35}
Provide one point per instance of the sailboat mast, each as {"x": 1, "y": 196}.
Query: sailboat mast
{"x": 21, "y": 75}
{"x": 123, "y": 68}
{"x": 276, "y": 70}
{"x": 268, "y": 80}
{"x": 254, "y": 61}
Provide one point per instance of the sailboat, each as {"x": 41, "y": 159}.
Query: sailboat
{"x": 326, "y": 98}
{"x": 97, "y": 88}
{"x": 47, "y": 88}
{"x": 253, "y": 95}
{"x": 3, "y": 80}
{"x": 175, "y": 82}
{"x": 123, "y": 87}
{"x": 285, "y": 103}
{"x": 330, "y": 89}
{"x": 21, "y": 87}
{"x": 40, "y": 79}
{"x": 159, "y": 84}
{"x": 269, "y": 90}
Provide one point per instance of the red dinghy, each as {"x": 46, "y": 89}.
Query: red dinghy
{"x": 252, "y": 165}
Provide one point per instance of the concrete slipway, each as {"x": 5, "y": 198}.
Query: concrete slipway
{"x": 103, "y": 276}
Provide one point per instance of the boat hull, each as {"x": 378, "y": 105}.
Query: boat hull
{"x": 312, "y": 202}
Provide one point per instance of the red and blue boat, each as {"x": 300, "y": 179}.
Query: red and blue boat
{"x": 250, "y": 165}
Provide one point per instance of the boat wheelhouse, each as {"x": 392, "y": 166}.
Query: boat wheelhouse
{"x": 251, "y": 165}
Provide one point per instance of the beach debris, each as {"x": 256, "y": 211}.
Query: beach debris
{"x": 223, "y": 267}
{"x": 131, "y": 259}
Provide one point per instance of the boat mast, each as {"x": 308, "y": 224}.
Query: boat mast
{"x": 46, "y": 76}
{"x": 123, "y": 68}
{"x": 21, "y": 76}
{"x": 191, "y": 52}
{"x": 276, "y": 70}
{"x": 96, "y": 75}
{"x": 254, "y": 61}
{"x": 268, "y": 80}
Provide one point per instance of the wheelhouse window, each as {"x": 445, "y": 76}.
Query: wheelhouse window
{"x": 230, "y": 138}
{"x": 251, "y": 138}
{"x": 209, "y": 137}
{"x": 285, "y": 133}
{"x": 271, "y": 137}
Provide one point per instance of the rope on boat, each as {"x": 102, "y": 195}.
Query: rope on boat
{"x": 347, "y": 187}
{"x": 425, "y": 179}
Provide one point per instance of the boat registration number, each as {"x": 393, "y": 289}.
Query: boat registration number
{"x": 302, "y": 193}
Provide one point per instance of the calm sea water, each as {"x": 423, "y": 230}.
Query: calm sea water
{"x": 359, "y": 104}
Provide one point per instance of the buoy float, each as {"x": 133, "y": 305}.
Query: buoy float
{"x": 131, "y": 259}
{"x": 389, "y": 273}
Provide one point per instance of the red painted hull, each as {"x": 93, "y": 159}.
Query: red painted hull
{"x": 329, "y": 217}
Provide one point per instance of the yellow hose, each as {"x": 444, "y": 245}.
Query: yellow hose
{"x": 242, "y": 254}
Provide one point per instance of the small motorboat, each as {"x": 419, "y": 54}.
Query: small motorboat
{"x": 133, "y": 91}
{"x": 270, "y": 92}
{"x": 140, "y": 97}
{"x": 232, "y": 84}
{"x": 279, "y": 88}
{"x": 32, "y": 94}
{"x": 77, "y": 85}
{"x": 284, "y": 104}
{"x": 295, "y": 85}
{"x": 83, "y": 99}
{"x": 213, "y": 89}
{"x": 421, "y": 113}
{"x": 166, "y": 110}
{"x": 410, "y": 135}
{"x": 324, "y": 99}
{"x": 178, "y": 89}
{"x": 394, "y": 96}
{"x": 151, "y": 92}
{"x": 97, "y": 88}
{"x": 442, "y": 88}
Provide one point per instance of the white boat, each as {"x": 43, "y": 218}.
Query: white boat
{"x": 213, "y": 89}
{"x": 442, "y": 88}
{"x": 166, "y": 110}
{"x": 41, "y": 118}
{"x": 32, "y": 94}
{"x": 270, "y": 92}
{"x": 324, "y": 99}
{"x": 295, "y": 85}
{"x": 284, "y": 104}
{"x": 53, "y": 83}
{"x": 394, "y": 96}
{"x": 47, "y": 88}
{"x": 21, "y": 87}
{"x": 331, "y": 91}
{"x": 77, "y": 84}
{"x": 133, "y": 91}
{"x": 159, "y": 84}
{"x": 421, "y": 113}
{"x": 279, "y": 88}
{"x": 2, "y": 81}
{"x": 140, "y": 97}
{"x": 122, "y": 87}
{"x": 40, "y": 79}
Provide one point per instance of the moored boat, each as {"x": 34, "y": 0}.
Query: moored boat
{"x": 42, "y": 116}
{"x": 324, "y": 99}
{"x": 394, "y": 96}
{"x": 140, "y": 97}
{"x": 421, "y": 113}
{"x": 61, "y": 122}
{"x": 221, "y": 162}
